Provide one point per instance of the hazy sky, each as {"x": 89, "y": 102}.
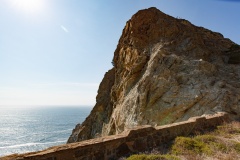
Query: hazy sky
{"x": 55, "y": 52}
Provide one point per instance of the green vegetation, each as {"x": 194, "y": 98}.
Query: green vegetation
{"x": 223, "y": 143}
{"x": 185, "y": 145}
{"x": 237, "y": 147}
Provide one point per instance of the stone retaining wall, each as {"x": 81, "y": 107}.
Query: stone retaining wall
{"x": 139, "y": 139}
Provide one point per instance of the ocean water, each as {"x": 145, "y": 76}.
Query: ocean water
{"x": 27, "y": 129}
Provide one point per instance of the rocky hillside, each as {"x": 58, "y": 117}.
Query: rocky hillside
{"x": 165, "y": 70}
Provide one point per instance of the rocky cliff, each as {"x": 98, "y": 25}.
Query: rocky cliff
{"x": 165, "y": 70}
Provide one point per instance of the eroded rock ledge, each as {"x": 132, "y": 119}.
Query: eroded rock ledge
{"x": 165, "y": 70}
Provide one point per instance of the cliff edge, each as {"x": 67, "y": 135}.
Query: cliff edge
{"x": 165, "y": 70}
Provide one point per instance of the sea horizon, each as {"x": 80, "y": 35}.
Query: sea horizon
{"x": 30, "y": 128}
{"x": 45, "y": 106}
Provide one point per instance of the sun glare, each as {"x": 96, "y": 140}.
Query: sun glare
{"x": 29, "y": 6}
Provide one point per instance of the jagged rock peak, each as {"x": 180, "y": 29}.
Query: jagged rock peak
{"x": 165, "y": 70}
{"x": 150, "y": 26}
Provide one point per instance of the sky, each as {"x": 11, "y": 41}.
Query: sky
{"x": 56, "y": 52}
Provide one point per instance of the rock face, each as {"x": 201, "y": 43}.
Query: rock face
{"x": 165, "y": 70}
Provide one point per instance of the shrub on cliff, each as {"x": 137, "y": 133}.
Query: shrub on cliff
{"x": 185, "y": 145}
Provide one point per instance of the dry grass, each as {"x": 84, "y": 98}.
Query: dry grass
{"x": 221, "y": 144}
{"x": 153, "y": 157}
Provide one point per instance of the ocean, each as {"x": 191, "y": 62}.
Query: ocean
{"x": 28, "y": 129}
